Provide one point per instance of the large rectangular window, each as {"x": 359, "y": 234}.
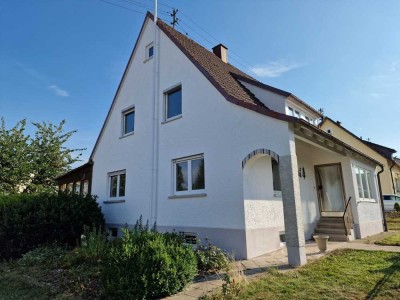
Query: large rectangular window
{"x": 117, "y": 181}
{"x": 128, "y": 121}
{"x": 173, "y": 103}
{"x": 365, "y": 184}
{"x": 189, "y": 175}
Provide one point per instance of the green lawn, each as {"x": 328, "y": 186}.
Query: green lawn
{"x": 393, "y": 223}
{"x": 343, "y": 274}
{"x": 393, "y": 240}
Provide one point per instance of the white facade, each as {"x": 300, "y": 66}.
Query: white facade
{"x": 238, "y": 209}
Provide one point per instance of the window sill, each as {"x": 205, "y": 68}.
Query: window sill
{"x": 171, "y": 119}
{"x": 113, "y": 201}
{"x": 128, "y": 134}
{"x": 367, "y": 200}
{"x": 187, "y": 196}
{"x": 147, "y": 59}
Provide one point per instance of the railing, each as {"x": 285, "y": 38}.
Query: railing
{"x": 347, "y": 219}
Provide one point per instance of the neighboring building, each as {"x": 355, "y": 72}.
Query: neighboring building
{"x": 209, "y": 151}
{"x": 77, "y": 180}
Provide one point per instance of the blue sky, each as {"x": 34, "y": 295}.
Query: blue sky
{"x": 63, "y": 59}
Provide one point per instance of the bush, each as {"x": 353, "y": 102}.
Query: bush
{"x": 397, "y": 207}
{"x": 28, "y": 221}
{"x": 147, "y": 264}
{"x": 210, "y": 258}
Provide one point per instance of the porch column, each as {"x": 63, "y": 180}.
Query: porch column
{"x": 292, "y": 210}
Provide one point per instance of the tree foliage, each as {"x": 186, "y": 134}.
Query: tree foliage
{"x": 31, "y": 163}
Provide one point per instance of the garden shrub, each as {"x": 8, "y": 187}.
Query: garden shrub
{"x": 28, "y": 221}
{"x": 146, "y": 264}
{"x": 210, "y": 258}
{"x": 397, "y": 207}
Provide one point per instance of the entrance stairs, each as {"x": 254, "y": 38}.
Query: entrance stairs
{"x": 335, "y": 228}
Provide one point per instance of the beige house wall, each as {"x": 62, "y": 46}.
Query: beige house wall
{"x": 396, "y": 178}
{"x": 346, "y": 137}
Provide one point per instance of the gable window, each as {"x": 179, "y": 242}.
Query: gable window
{"x": 116, "y": 182}
{"x": 128, "y": 121}
{"x": 365, "y": 184}
{"x": 149, "y": 51}
{"x": 291, "y": 111}
{"x": 173, "y": 103}
{"x": 276, "y": 180}
{"x": 189, "y": 175}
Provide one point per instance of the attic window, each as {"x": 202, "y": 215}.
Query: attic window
{"x": 149, "y": 51}
{"x": 329, "y": 131}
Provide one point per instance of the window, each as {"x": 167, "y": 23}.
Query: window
{"x": 70, "y": 186}
{"x": 173, "y": 103}
{"x": 63, "y": 187}
{"x": 117, "y": 185}
{"x": 276, "y": 180}
{"x": 85, "y": 190}
{"x": 149, "y": 51}
{"x": 311, "y": 121}
{"x": 128, "y": 121}
{"x": 189, "y": 175}
{"x": 365, "y": 184}
{"x": 297, "y": 114}
{"x": 397, "y": 183}
{"x": 307, "y": 119}
{"x": 77, "y": 187}
{"x": 329, "y": 131}
{"x": 291, "y": 111}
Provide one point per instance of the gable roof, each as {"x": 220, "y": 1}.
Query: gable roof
{"x": 383, "y": 150}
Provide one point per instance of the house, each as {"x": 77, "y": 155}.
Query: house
{"x": 197, "y": 146}
{"x": 78, "y": 180}
{"x": 390, "y": 177}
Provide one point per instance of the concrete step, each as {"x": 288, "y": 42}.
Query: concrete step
{"x": 329, "y": 231}
{"x": 330, "y": 220}
{"x": 337, "y": 237}
{"x": 331, "y": 225}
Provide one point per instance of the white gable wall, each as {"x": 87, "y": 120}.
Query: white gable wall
{"x": 224, "y": 132}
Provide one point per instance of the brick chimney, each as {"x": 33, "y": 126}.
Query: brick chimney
{"x": 222, "y": 52}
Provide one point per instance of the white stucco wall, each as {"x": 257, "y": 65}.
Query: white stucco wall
{"x": 272, "y": 100}
{"x": 224, "y": 132}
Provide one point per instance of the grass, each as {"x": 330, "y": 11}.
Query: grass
{"x": 392, "y": 240}
{"x": 343, "y": 274}
{"x": 50, "y": 273}
{"x": 393, "y": 222}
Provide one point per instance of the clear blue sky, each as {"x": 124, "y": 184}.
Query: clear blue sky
{"x": 63, "y": 59}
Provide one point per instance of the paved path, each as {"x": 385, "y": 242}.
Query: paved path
{"x": 258, "y": 266}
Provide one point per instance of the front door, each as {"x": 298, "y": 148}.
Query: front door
{"x": 330, "y": 189}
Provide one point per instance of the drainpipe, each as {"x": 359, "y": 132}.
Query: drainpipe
{"x": 155, "y": 146}
{"x": 391, "y": 175}
{"x": 381, "y": 196}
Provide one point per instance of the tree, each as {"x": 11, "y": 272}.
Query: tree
{"x": 15, "y": 158}
{"x": 31, "y": 164}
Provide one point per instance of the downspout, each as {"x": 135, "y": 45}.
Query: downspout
{"x": 155, "y": 146}
{"x": 391, "y": 175}
{"x": 381, "y": 196}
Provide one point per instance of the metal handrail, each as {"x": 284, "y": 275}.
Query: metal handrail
{"x": 344, "y": 215}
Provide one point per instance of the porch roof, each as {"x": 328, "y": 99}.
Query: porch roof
{"x": 316, "y": 135}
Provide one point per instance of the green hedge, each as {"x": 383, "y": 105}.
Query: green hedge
{"x": 146, "y": 265}
{"x": 27, "y": 221}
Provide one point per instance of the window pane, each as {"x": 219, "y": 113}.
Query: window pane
{"x": 151, "y": 51}
{"x": 364, "y": 181}
{"x": 291, "y": 113}
{"x": 198, "y": 174}
{"x": 182, "y": 176}
{"x": 129, "y": 122}
{"x": 360, "y": 190}
{"x": 276, "y": 180}
{"x": 122, "y": 185}
{"x": 113, "y": 186}
{"x": 174, "y": 104}
{"x": 69, "y": 187}
{"x": 77, "y": 187}
{"x": 85, "y": 187}
{"x": 297, "y": 114}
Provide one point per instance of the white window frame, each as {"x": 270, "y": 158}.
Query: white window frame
{"x": 109, "y": 175}
{"x": 297, "y": 114}
{"x": 277, "y": 193}
{"x": 146, "y": 55}
{"x": 166, "y": 93}
{"x": 370, "y": 184}
{"x": 290, "y": 111}
{"x": 124, "y": 113}
{"x": 189, "y": 191}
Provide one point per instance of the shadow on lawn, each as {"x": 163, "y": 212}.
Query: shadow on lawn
{"x": 389, "y": 271}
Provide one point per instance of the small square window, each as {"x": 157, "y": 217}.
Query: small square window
{"x": 173, "y": 103}
{"x": 189, "y": 175}
{"x": 149, "y": 51}
{"x": 117, "y": 182}
{"x": 128, "y": 121}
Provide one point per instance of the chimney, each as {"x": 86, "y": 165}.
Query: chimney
{"x": 222, "y": 52}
